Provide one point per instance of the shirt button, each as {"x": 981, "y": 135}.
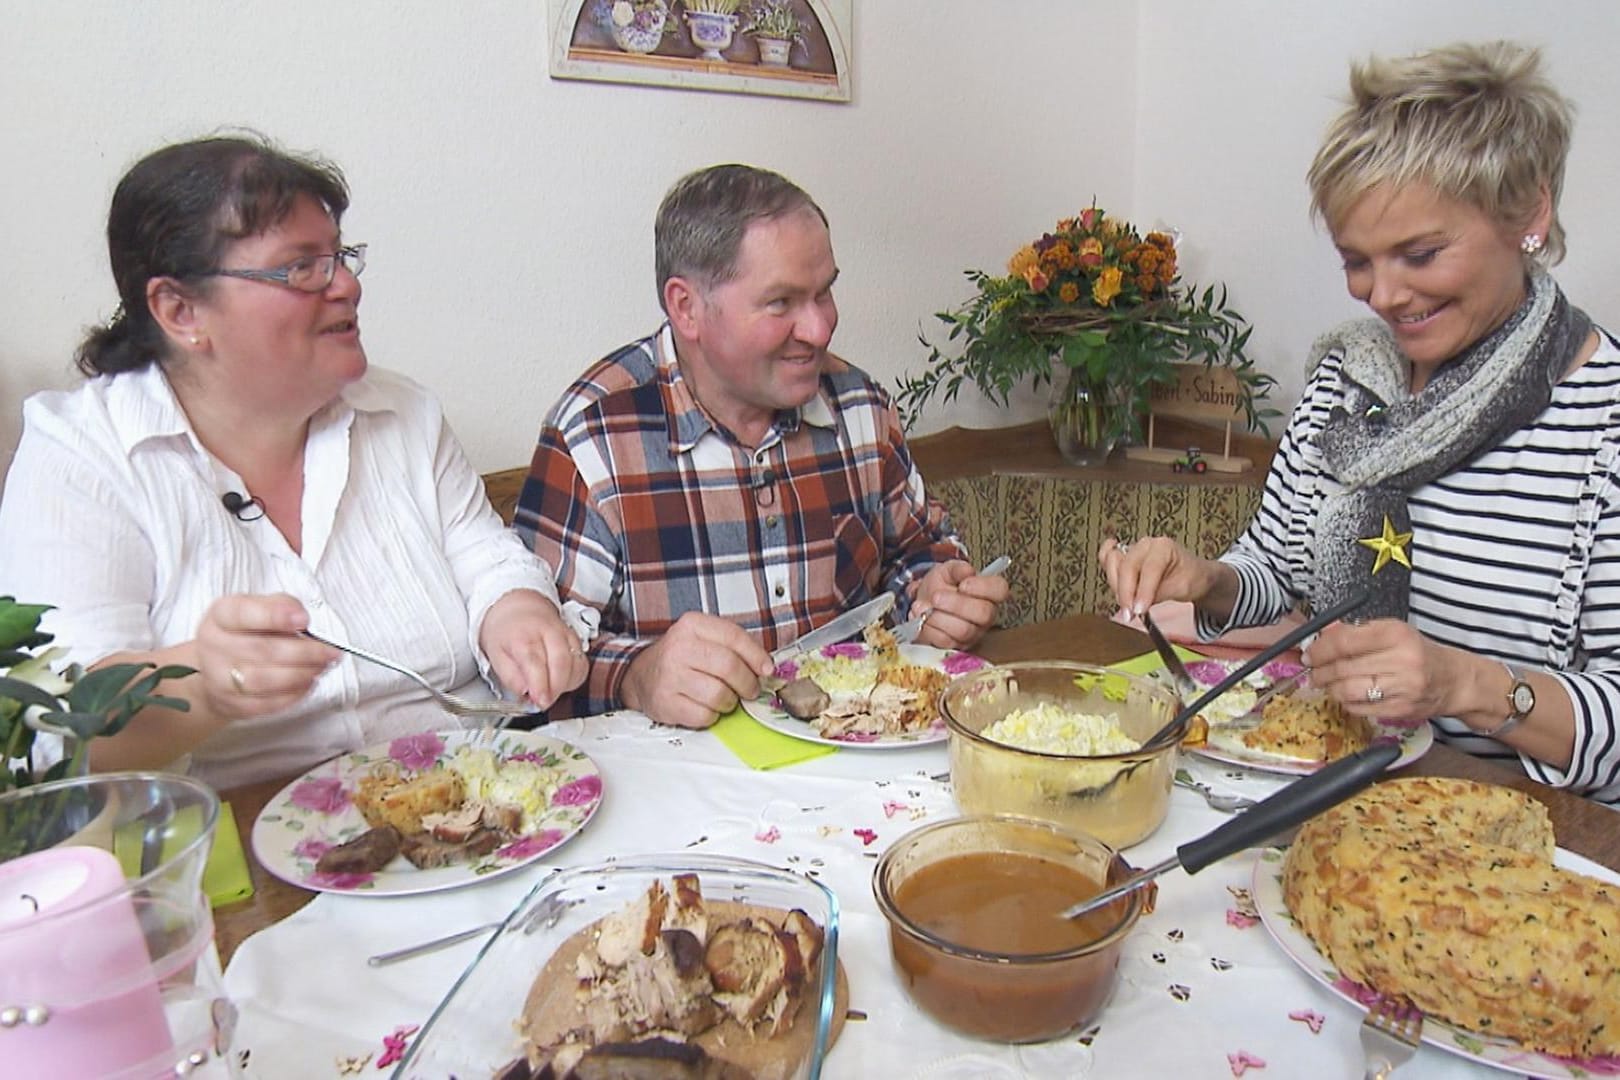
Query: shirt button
{"x": 781, "y": 591}
{"x": 771, "y": 521}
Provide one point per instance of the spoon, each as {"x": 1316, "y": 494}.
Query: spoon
{"x": 1226, "y": 804}
{"x": 1304, "y": 798}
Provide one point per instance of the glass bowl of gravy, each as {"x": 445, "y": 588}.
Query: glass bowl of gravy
{"x": 975, "y": 932}
{"x": 1074, "y": 744}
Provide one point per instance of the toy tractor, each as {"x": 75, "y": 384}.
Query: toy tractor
{"x": 1192, "y": 461}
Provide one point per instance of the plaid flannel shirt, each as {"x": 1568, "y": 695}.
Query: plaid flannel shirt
{"x": 649, "y": 509}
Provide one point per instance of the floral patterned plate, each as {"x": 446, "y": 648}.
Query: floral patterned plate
{"x": 315, "y": 812}
{"x": 1492, "y": 1050}
{"x": 1415, "y": 740}
{"x": 768, "y": 711}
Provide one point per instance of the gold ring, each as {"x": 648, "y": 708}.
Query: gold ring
{"x": 238, "y": 680}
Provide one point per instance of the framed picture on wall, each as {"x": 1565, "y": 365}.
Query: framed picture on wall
{"x": 786, "y": 48}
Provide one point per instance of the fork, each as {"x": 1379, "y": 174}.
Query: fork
{"x": 907, "y": 631}
{"x": 1389, "y": 1036}
{"x": 503, "y": 711}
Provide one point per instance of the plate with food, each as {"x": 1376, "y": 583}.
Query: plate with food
{"x": 1294, "y": 732}
{"x": 427, "y": 812}
{"x": 1522, "y": 976}
{"x": 872, "y": 694}
{"x": 698, "y": 966}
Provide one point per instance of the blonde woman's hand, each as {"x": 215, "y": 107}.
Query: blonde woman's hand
{"x": 1156, "y": 568}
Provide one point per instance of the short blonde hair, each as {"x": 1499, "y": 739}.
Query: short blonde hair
{"x": 1478, "y": 123}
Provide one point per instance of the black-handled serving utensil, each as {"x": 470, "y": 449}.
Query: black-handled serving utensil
{"x": 1270, "y": 652}
{"x": 1304, "y": 798}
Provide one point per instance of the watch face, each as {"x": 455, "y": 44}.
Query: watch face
{"x": 1524, "y": 698}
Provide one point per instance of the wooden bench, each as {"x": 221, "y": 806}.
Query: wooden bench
{"x": 1009, "y": 492}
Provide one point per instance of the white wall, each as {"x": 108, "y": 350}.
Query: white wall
{"x": 1234, "y": 96}
{"x": 510, "y": 215}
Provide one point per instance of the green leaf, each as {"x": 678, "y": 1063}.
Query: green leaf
{"x": 19, "y": 624}
{"x": 26, "y": 693}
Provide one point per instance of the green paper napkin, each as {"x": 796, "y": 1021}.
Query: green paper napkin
{"x": 759, "y": 747}
{"x": 1114, "y": 687}
{"x": 225, "y": 876}
{"x": 1141, "y": 665}
{"x": 226, "y": 879}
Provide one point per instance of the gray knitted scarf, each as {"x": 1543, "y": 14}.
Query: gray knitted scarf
{"x": 1383, "y": 441}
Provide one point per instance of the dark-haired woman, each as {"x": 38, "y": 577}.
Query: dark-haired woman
{"x": 233, "y": 473}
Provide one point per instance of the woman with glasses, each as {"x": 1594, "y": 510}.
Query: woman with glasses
{"x": 232, "y": 473}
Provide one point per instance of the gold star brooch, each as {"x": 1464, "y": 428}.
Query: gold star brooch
{"x": 1391, "y": 545}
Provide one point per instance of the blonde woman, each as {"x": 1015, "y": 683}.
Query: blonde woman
{"x": 1457, "y": 453}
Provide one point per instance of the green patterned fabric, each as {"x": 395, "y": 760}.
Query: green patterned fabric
{"x": 1052, "y": 527}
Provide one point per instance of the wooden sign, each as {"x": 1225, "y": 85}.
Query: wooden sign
{"x": 1199, "y": 393}
{"x": 1202, "y": 394}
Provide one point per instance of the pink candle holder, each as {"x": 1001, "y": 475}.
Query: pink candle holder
{"x": 106, "y": 938}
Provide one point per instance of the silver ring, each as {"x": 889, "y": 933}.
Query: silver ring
{"x": 238, "y": 680}
{"x": 1375, "y": 693}
{"x": 1122, "y": 547}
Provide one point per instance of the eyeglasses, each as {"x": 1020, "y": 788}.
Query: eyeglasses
{"x": 311, "y": 274}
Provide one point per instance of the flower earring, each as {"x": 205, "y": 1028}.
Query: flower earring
{"x": 1530, "y": 244}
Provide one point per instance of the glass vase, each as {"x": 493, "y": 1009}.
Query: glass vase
{"x": 107, "y": 961}
{"x": 1087, "y": 418}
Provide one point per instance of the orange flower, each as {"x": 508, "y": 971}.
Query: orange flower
{"x": 1022, "y": 260}
{"x": 1106, "y": 287}
{"x": 1069, "y": 292}
{"x": 1146, "y": 283}
{"x": 1088, "y": 218}
{"x": 1036, "y": 280}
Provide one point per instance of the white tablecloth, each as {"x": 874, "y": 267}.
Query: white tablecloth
{"x": 1200, "y": 983}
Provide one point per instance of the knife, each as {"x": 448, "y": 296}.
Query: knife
{"x": 1186, "y": 689}
{"x": 846, "y": 625}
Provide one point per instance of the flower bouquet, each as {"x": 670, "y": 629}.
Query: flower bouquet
{"x": 1101, "y": 304}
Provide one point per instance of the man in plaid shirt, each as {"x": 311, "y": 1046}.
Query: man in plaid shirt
{"x": 725, "y": 485}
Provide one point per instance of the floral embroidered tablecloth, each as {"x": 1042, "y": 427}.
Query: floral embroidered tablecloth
{"x": 1204, "y": 991}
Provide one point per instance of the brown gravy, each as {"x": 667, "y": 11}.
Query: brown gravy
{"x": 1006, "y": 903}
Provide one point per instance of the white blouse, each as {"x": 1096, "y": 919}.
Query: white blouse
{"x": 112, "y": 512}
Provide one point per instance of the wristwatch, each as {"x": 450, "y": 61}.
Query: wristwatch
{"x": 1521, "y": 698}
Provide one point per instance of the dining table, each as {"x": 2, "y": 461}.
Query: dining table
{"x": 1204, "y": 990}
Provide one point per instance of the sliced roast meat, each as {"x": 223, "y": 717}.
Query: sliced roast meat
{"x": 365, "y": 854}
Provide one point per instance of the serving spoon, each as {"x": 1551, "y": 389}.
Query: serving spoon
{"x": 1304, "y": 798}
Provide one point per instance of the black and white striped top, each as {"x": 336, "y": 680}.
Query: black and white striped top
{"x": 1515, "y": 556}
